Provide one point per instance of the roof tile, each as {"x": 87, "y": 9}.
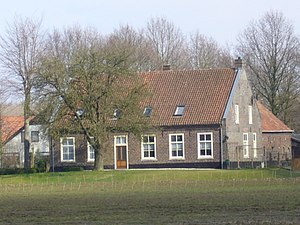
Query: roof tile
{"x": 203, "y": 92}
{"x": 270, "y": 123}
{"x": 11, "y": 125}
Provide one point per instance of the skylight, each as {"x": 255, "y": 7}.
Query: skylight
{"x": 148, "y": 111}
{"x": 179, "y": 110}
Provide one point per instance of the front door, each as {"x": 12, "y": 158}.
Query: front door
{"x": 121, "y": 152}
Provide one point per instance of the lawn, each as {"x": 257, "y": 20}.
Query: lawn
{"x": 152, "y": 197}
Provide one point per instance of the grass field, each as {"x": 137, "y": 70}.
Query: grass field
{"x": 152, "y": 197}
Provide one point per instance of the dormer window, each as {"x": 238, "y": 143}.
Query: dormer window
{"x": 117, "y": 114}
{"x": 179, "y": 110}
{"x": 148, "y": 111}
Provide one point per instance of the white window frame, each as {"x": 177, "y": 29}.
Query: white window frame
{"x": 205, "y": 141}
{"x": 254, "y": 145}
{"x": 246, "y": 145}
{"x": 89, "y": 149}
{"x": 176, "y": 142}
{"x": 236, "y": 114}
{"x": 148, "y": 143}
{"x": 250, "y": 112}
{"x": 61, "y": 149}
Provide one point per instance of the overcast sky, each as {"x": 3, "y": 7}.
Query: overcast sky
{"x": 221, "y": 19}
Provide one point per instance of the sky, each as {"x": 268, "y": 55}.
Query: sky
{"x": 223, "y": 20}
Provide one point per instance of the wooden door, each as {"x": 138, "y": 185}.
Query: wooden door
{"x": 121, "y": 156}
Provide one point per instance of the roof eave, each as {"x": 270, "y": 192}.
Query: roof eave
{"x": 278, "y": 131}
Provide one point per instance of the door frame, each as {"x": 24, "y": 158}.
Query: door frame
{"x": 115, "y": 151}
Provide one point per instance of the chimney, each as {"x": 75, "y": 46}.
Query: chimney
{"x": 166, "y": 67}
{"x": 238, "y": 63}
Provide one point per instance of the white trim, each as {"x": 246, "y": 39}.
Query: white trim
{"x": 212, "y": 145}
{"x": 142, "y": 148}
{"x": 61, "y": 149}
{"x": 246, "y": 145}
{"x": 234, "y": 87}
{"x": 170, "y": 146}
{"x": 115, "y": 150}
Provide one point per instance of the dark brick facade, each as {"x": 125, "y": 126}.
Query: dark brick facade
{"x": 162, "y": 150}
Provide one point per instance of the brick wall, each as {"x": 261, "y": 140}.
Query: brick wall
{"x": 162, "y": 149}
{"x": 277, "y": 146}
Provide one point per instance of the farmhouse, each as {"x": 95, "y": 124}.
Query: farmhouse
{"x": 201, "y": 118}
{"x": 12, "y": 130}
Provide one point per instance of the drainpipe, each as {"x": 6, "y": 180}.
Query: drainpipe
{"x": 221, "y": 139}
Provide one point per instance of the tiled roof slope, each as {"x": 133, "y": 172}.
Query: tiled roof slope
{"x": 204, "y": 93}
{"x": 270, "y": 123}
{"x": 10, "y": 126}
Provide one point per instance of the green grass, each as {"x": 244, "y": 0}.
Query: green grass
{"x": 152, "y": 197}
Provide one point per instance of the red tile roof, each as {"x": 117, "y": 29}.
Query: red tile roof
{"x": 270, "y": 123}
{"x": 10, "y": 126}
{"x": 204, "y": 93}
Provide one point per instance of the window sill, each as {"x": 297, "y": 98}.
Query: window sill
{"x": 149, "y": 160}
{"x": 176, "y": 159}
{"x": 69, "y": 161}
{"x": 205, "y": 157}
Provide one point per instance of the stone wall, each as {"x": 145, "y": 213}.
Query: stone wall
{"x": 243, "y": 97}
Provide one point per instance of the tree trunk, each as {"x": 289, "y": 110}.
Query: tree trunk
{"x": 99, "y": 162}
{"x": 27, "y": 130}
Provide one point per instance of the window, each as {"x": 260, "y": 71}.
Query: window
{"x": 179, "y": 110}
{"x": 254, "y": 146}
{"x": 176, "y": 146}
{"x": 35, "y": 136}
{"x": 245, "y": 145}
{"x": 205, "y": 145}
{"x": 121, "y": 140}
{"x": 91, "y": 152}
{"x": 117, "y": 114}
{"x": 236, "y": 114}
{"x": 148, "y": 111}
{"x": 148, "y": 147}
{"x": 67, "y": 148}
{"x": 250, "y": 114}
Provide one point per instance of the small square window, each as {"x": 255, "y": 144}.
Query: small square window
{"x": 179, "y": 110}
{"x": 35, "y": 136}
{"x": 148, "y": 111}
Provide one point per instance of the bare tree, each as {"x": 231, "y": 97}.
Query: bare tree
{"x": 167, "y": 44}
{"x": 206, "y": 53}
{"x": 87, "y": 86}
{"x": 134, "y": 44}
{"x": 271, "y": 51}
{"x": 21, "y": 49}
